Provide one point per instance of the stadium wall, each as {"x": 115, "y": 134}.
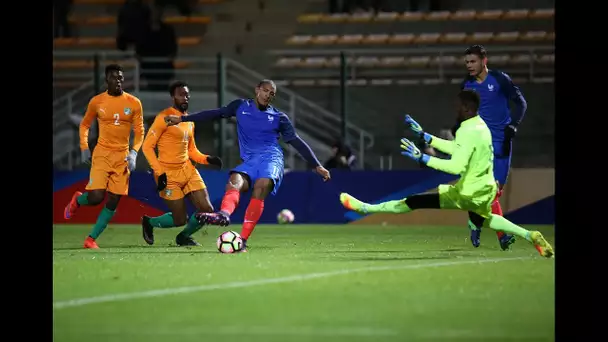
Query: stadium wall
{"x": 527, "y": 199}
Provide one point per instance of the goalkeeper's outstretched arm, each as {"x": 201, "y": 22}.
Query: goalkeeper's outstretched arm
{"x": 445, "y": 146}
{"x": 461, "y": 154}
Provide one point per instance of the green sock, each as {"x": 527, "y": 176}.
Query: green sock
{"x": 394, "y": 207}
{"x": 472, "y": 226}
{"x": 163, "y": 221}
{"x": 83, "y": 199}
{"x": 102, "y": 222}
{"x": 191, "y": 227}
{"x": 498, "y": 222}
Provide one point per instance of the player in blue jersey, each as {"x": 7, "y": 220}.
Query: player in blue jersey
{"x": 496, "y": 90}
{"x": 259, "y": 126}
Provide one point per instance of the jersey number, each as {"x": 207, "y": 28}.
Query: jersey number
{"x": 116, "y": 118}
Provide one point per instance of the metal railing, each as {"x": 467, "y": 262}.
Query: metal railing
{"x": 317, "y": 125}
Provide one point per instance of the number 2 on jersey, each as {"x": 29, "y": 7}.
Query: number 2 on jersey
{"x": 116, "y": 118}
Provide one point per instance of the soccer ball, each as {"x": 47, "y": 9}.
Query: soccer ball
{"x": 285, "y": 217}
{"x": 229, "y": 242}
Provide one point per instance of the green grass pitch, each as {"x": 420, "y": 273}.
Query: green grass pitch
{"x": 302, "y": 283}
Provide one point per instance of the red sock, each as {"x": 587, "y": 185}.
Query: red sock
{"x": 230, "y": 201}
{"x": 252, "y": 215}
{"x": 496, "y": 209}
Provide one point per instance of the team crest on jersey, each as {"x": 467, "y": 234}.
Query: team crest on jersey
{"x": 127, "y": 111}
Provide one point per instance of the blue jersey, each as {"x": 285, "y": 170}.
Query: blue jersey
{"x": 258, "y": 130}
{"x": 495, "y": 92}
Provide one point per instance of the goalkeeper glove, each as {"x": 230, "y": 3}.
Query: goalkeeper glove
{"x": 85, "y": 156}
{"x": 162, "y": 182}
{"x": 411, "y": 151}
{"x": 131, "y": 159}
{"x": 510, "y": 132}
{"x": 417, "y": 129}
{"x": 213, "y": 160}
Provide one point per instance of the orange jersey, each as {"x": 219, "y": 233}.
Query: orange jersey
{"x": 115, "y": 117}
{"x": 175, "y": 144}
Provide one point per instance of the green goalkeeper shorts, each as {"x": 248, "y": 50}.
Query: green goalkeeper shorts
{"x": 450, "y": 198}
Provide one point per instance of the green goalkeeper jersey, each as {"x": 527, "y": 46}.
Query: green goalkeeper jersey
{"x": 472, "y": 158}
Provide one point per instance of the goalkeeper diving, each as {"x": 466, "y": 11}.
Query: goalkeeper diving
{"x": 472, "y": 159}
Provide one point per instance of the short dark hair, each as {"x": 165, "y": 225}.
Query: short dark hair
{"x": 267, "y": 81}
{"x": 470, "y": 99}
{"x": 478, "y": 50}
{"x": 113, "y": 67}
{"x": 175, "y": 85}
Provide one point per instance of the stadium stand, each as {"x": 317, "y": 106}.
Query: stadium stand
{"x": 398, "y": 61}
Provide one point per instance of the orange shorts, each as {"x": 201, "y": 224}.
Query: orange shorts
{"x": 109, "y": 171}
{"x": 182, "y": 181}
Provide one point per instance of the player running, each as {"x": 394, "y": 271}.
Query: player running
{"x": 472, "y": 159}
{"x": 495, "y": 89}
{"x": 175, "y": 175}
{"x": 112, "y": 162}
{"x": 259, "y": 126}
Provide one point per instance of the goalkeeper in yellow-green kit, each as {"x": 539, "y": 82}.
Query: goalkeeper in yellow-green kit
{"x": 472, "y": 159}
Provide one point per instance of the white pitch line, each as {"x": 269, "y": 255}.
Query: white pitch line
{"x": 300, "y": 277}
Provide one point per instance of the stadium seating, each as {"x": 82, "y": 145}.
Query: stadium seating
{"x": 422, "y": 38}
{"x": 116, "y": 2}
{"x": 410, "y": 62}
{"x": 110, "y": 19}
{"x": 89, "y": 64}
{"x": 110, "y": 42}
{"x": 512, "y": 14}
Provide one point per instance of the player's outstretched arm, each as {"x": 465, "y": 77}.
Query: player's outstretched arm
{"x": 456, "y": 165}
{"x": 206, "y": 115}
{"x": 199, "y": 157}
{"x": 442, "y": 145}
{"x": 154, "y": 133}
{"x": 289, "y": 136}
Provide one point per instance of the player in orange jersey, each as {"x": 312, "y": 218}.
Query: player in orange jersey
{"x": 111, "y": 164}
{"x": 175, "y": 175}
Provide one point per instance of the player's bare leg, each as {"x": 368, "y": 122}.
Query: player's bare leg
{"x": 95, "y": 197}
{"x": 237, "y": 184}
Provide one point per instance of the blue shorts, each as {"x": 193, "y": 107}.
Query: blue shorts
{"x": 262, "y": 168}
{"x": 502, "y": 163}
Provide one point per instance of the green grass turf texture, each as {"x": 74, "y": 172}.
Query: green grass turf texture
{"x": 446, "y": 300}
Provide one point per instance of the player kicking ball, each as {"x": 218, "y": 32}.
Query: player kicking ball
{"x": 175, "y": 175}
{"x": 472, "y": 158}
{"x": 259, "y": 126}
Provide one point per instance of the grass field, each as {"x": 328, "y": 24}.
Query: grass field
{"x": 302, "y": 283}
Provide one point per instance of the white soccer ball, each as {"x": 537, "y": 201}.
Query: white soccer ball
{"x": 285, "y": 217}
{"x": 229, "y": 242}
